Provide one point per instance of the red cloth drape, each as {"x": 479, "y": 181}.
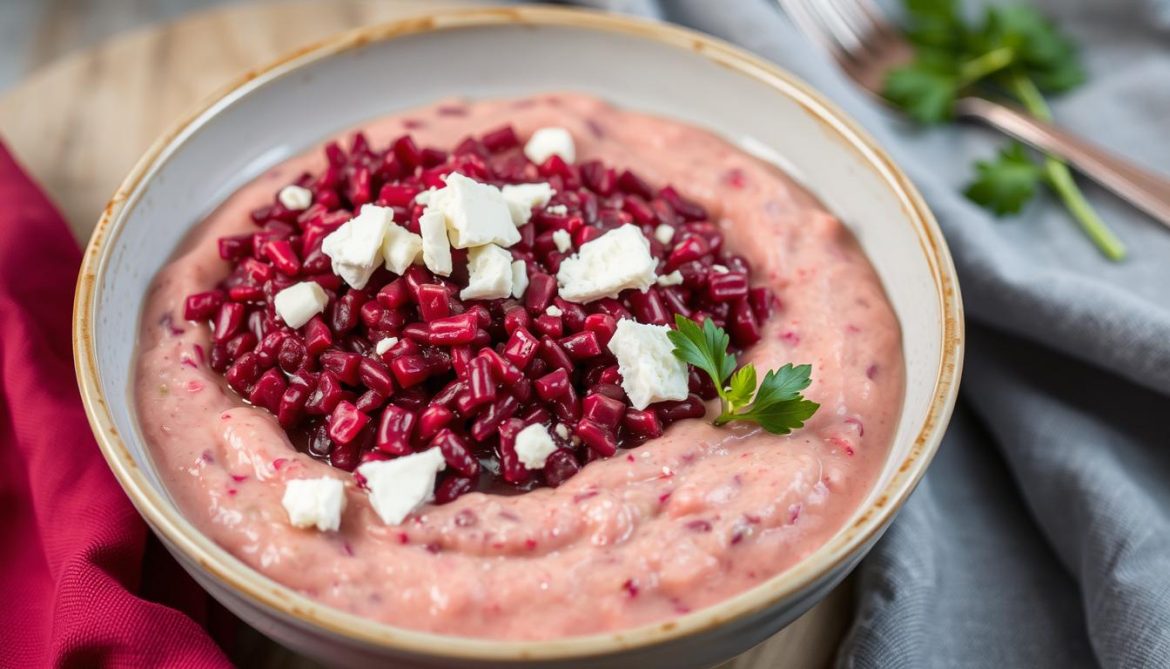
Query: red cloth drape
{"x": 81, "y": 582}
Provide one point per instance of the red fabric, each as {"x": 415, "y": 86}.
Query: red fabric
{"x": 74, "y": 558}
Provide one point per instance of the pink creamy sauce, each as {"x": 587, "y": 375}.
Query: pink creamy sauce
{"x": 677, "y": 524}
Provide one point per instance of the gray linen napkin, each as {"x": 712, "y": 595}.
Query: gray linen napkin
{"x": 1041, "y": 534}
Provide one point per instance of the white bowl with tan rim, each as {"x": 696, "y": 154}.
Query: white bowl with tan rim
{"x": 261, "y": 120}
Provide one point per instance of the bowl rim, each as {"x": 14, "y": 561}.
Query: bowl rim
{"x": 265, "y": 593}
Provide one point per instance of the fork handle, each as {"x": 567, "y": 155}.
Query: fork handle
{"x": 1144, "y": 189}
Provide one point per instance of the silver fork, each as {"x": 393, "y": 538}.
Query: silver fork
{"x": 866, "y": 46}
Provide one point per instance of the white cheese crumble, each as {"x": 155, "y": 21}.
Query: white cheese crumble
{"x": 489, "y": 270}
{"x": 475, "y": 213}
{"x": 314, "y": 503}
{"x": 720, "y": 269}
{"x": 519, "y": 278}
{"x": 356, "y": 247}
{"x": 664, "y": 233}
{"x": 295, "y": 198}
{"x": 549, "y": 141}
{"x": 605, "y": 266}
{"x": 554, "y": 310}
{"x": 562, "y": 430}
{"x": 399, "y": 486}
{"x": 558, "y": 210}
{"x": 436, "y": 250}
{"x": 401, "y": 248}
{"x": 562, "y": 240}
{"x": 675, "y": 278}
{"x": 385, "y": 344}
{"x": 534, "y": 445}
{"x": 523, "y": 198}
{"x": 297, "y": 304}
{"x": 650, "y": 372}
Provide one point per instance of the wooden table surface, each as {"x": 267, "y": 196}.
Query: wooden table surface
{"x": 80, "y": 123}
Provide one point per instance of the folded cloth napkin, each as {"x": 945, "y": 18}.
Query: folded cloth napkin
{"x": 1041, "y": 534}
{"x": 75, "y": 558}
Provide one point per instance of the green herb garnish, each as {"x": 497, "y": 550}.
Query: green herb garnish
{"x": 1015, "y": 52}
{"x": 777, "y": 405}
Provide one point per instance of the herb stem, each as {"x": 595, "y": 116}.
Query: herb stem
{"x": 989, "y": 63}
{"x": 1060, "y": 178}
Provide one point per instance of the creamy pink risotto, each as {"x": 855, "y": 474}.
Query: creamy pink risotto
{"x": 678, "y": 523}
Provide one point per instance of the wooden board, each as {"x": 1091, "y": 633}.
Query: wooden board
{"x": 79, "y": 125}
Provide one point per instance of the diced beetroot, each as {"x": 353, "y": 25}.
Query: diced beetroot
{"x": 456, "y": 452}
{"x": 202, "y": 306}
{"x": 346, "y": 422}
{"x": 432, "y": 419}
{"x": 268, "y": 390}
{"x": 549, "y": 326}
{"x": 596, "y": 437}
{"x": 560, "y": 467}
{"x": 398, "y": 195}
{"x": 243, "y": 372}
{"x": 502, "y": 368}
{"x": 347, "y": 312}
{"x": 465, "y": 376}
{"x": 394, "y": 430}
{"x": 727, "y": 287}
{"x": 376, "y": 376}
{"x": 603, "y": 410}
{"x": 743, "y": 327}
{"x": 228, "y": 321}
{"x": 691, "y": 407}
{"x": 292, "y": 403}
{"x": 432, "y": 302}
{"x": 395, "y": 294}
{"x": 552, "y": 385}
{"x": 370, "y": 401}
{"x": 318, "y": 337}
{"x": 762, "y": 301}
{"x": 453, "y": 330}
{"x": 410, "y": 370}
{"x": 541, "y": 288}
{"x": 521, "y": 347}
{"x": 582, "y": 346}
{"x": 481, "y": 387}
{"x": 511, "y": 468}
{"x": 343, "y": 364}
{"x": 325, "y": 396}
{"x": 687, "y": 250}
{"x": 634, "y": 184}
{"x": 453, "y": 487}
{"x": 554, "y": 354}
{"x": 642, "y": 423}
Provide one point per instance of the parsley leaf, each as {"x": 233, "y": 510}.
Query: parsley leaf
{"x": 780, "y": 417}
{"x": 1013, "y": 51}
{"x": 1005, "y": 184}
{"x": 933, "y": 23}
{"x": 925, "y": 90}
{"x": 742, "y": 386}
{"x": 778, "y": 405}
{"x": 704, "y": 347}
{"x": 1042, "y": 51}
{"x": 784, "y": 384}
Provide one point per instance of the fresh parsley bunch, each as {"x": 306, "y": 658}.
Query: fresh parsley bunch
{"x": 777, "y": 405}
{"x": 1015, "y": 52}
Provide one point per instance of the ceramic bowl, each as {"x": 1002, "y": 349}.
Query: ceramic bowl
{"x": 374, "y": 71}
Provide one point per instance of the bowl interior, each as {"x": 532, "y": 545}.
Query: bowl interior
{"x": 306, "y": 99}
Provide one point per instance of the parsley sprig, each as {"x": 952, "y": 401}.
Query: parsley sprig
{"x": 1015, "y": 52}
{"x": 777, "y": 405}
